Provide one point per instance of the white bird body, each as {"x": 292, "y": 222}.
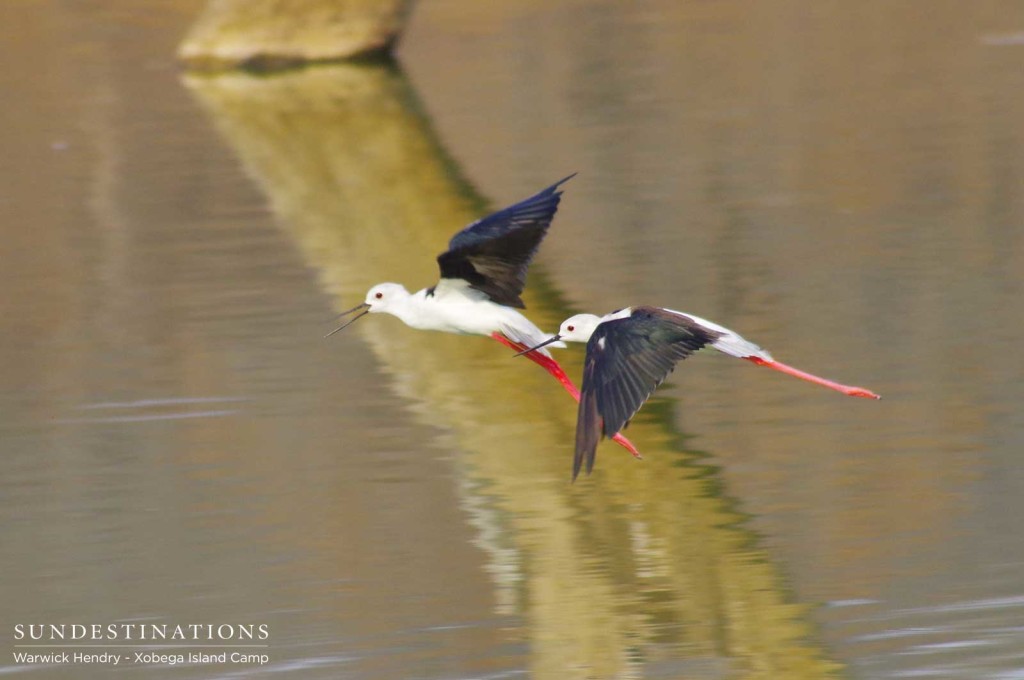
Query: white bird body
{"x": 452, "y": 306}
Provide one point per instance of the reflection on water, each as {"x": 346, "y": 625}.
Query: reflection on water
{"x": 603, "y": 583}
{"x": 181, "y": 445}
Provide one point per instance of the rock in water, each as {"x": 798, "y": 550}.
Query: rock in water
{"x": 269, "y": 33}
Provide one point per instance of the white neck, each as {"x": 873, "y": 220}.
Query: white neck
{"x": 412, "y": 308}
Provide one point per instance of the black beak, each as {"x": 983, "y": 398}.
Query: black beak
{"x": 365, "y": 310}
{"x": 554, "y": 338}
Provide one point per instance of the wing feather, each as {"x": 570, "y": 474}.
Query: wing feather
{"x": 588, "y": 433}
{"x": 626, "y": 361}
{"x": 493, "y": 253}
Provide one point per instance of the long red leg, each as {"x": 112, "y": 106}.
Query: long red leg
{"x": 552, "y": 367}
{"x": 797, "y": 373}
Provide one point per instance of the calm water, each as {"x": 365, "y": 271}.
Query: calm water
{"x": 843, "y": 185}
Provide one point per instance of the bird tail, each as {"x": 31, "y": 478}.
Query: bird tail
{"x": 730, "y": 342}
{"x": 736, "y": 345}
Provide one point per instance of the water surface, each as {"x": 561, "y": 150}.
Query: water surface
{"x": 841, "y": 185}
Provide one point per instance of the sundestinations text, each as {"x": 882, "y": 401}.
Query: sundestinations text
{"x": 140, "y": 631}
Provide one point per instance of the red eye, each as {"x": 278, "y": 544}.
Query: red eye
{"x": 570, "y": 328}
{"x": 379, "y": 295}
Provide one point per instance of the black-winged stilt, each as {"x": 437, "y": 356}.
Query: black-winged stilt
{"x": 483, "y": 273}
{"x": 631, "y": 351}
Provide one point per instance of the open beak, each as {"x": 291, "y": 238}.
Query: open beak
{"x": 363, "y": 310}
{"x": 554, "y": 338}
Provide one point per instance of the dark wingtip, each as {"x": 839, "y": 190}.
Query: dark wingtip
{"x": 577, "y": 464}
{"x": 566, "y": 179}
{"x": 554, "y": 188}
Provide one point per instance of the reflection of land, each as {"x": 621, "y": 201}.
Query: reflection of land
{"x": 642, "y": 564}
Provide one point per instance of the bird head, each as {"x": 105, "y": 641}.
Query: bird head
{"x": 380, "y": 298}
{"x": 578, "y": 328}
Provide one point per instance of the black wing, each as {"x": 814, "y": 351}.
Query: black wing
{"x": 493, "y": 253}
{"x": 626, "y": 360}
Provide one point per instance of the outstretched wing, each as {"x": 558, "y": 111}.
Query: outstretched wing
{"x": 626, "y": 360}
{"x": 493, "y": 253}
